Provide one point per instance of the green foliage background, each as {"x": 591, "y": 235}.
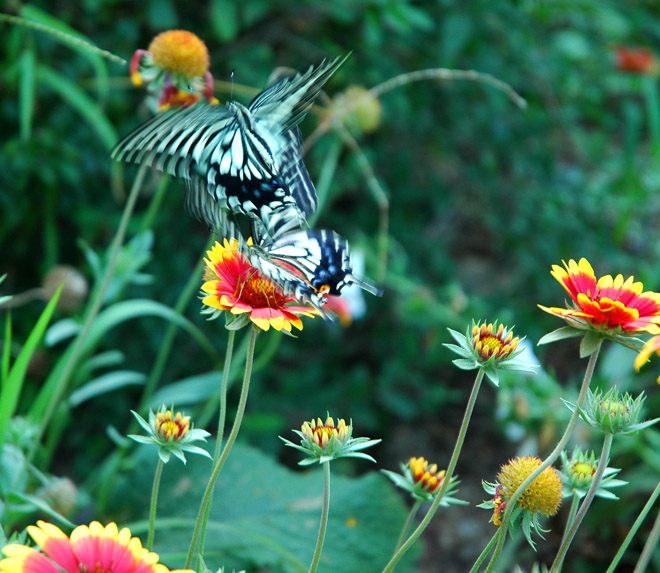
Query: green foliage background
{"x": 484, "y": 198}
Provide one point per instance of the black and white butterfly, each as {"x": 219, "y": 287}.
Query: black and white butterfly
{"x": 248, "y": 160}
{"x": 309, "y": 264}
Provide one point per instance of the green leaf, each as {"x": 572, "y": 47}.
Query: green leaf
{"x": 224, "y": 19}
{"x": 41, "y": 505}
{"x": 80, "y": 102}
{"x": 77, "y": 41}
{"x": 105, "y": 321}
{"x": 560, "y": 334}
{"x": 268, "y": 524}
{"x": 590, "y": 343}
{"x": 106, "y": 383}
{"x": 11, "y": 387}
{"x": 26, "y": 92}
{"x": 188, "y": 391}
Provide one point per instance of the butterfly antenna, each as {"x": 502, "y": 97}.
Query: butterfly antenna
{"x": 365, "y": 285}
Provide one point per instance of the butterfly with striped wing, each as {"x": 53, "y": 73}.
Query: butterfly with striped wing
{"x": 248, "y": 160}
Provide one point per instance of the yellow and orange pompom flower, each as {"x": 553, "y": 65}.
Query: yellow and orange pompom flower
{"x": 233, "y": 285}
{"x": 608, "y": 304}
{"x": 89, "y": 548}
{"x": 176, "y": 65}
{"x": 543, "y": 495}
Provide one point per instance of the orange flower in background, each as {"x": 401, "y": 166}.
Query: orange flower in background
{"x": 92, "y": 548}
{"x": 233, "y": 285}
{"x": 608, "y": 303}
{"x": 637, "y": 60}
{"x": 176, "y": 66}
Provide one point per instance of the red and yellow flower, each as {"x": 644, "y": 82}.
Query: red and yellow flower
{"x": 92, "y": 548}
{"x": 612, "y": 304}
{"x": 637, "y": 60}
{"x": 233, "y": 285}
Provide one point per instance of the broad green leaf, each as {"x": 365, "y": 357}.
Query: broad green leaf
{"x": 106, "y": 383}
{"x": 75, "y": 40}
{"x": 105, "y": 321}
{"x": 12, "y": 385}
{"x": 79, "y": 101}
{"x": 225, "y": 19}
{"x": 265, "y": 516}
{"x": 41, "y": 505}
{"x": 189, "y": 391}
{"x": 26, "y": 92}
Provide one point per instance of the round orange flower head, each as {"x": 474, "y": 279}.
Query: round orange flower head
{"x": 89, "y": 548}
{"x": 325, "y": 441}
{"x": 233, "y": 285}
{"x": 176, "y": 65}
{"x": 611, "y": 306}
{"x": 541, "y": 497}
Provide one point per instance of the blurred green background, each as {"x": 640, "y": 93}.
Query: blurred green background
{"x": 483, "y": 198}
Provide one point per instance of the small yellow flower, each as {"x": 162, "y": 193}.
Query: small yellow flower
{"x": 171, "y": 428}
{"x": 491, "y": 343}
{"x": 429, "y": 478}
{"x": 543, "y": 495}
{"x": 180, "y": 52}
{"x": 321, "y": 433}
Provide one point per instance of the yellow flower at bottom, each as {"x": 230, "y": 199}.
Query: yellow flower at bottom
{"x": 92, "y": 548}
{"x": 543, "y": 495}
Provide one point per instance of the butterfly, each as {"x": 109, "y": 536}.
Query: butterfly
{"x": 310, "y": 264}
{"x": 248, "y": 160}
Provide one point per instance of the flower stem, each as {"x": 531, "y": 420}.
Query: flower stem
{"x": 559, "y": 448}
{"x": 406, "y": 527}
{"x": 649, "y": 547}
{"x": 217, "y": 466}
{"x": 154, "y": 503}
{"x": 324, "y": 518}
{"x": 575, "y": 503}
{"x": 486, "y": 551}
{"x": 223, "y": 394}
{"x": 93, "y": 309}
{"x": 633, "y": 530}
{"x": 221, "y": 424}
{"x": 448, "y": 475}
{"x": 584, "y": 506}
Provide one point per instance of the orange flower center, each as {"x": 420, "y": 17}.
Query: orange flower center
{"x": 180, "y": 52}
{"x": 172, "y": 428}
{"x": 259, "y": 292}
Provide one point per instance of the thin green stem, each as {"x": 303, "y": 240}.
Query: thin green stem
{"x": 218, "y": 465}
{"x": 633, "y": 530}
{"x": 649, "y": 547}
{"x": 448, "y": 475}
{"x": 325, "y": 511}
{"x": 559, "y": 448}
{"x": 584, "y": 506}
{"x": 409, "y": 521}
{"x": 223, "y": 393}
{"x": 486, "y": 551}
{"x": 154, "y": 503}
{"x": 575, "y": 503}
{"x": 93, "y": 309}
{"x": 221, "y": 425}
